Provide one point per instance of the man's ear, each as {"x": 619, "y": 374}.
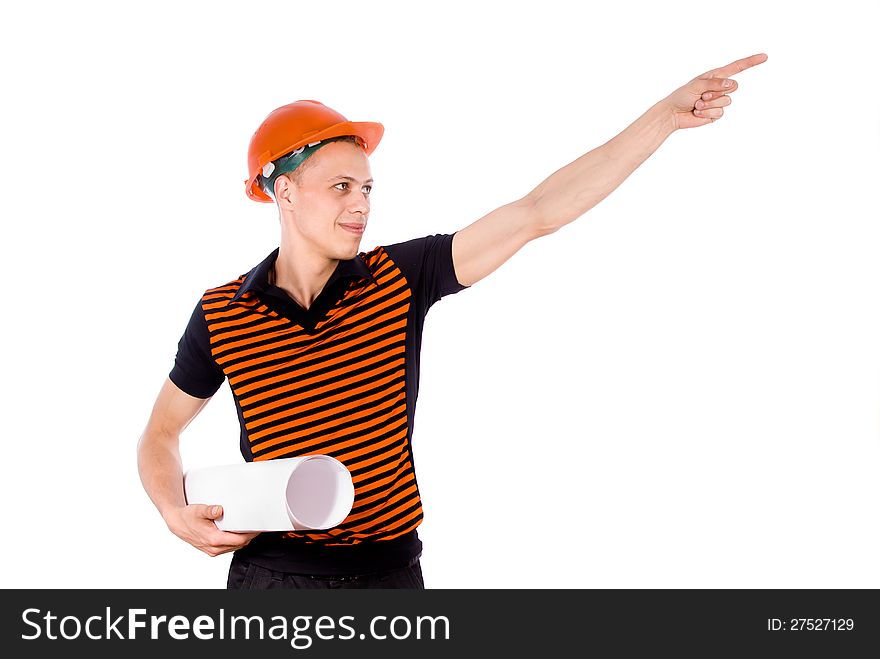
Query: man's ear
{"x": 284, "y": 190}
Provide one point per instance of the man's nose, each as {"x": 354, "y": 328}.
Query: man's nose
{"x": 359, "y": 202}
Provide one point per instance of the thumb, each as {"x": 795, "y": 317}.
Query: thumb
{"x": 212, "y": 512}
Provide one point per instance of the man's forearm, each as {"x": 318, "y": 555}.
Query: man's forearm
{"x": 161, "y": 473}
{"x": 573, "y": 190}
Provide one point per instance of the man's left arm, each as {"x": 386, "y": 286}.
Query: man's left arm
{"x": 568, "y": 193}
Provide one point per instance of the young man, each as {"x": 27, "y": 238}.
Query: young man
{"x": 320, "y": 342}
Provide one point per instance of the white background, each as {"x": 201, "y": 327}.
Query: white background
{"x": 680, "y": 389}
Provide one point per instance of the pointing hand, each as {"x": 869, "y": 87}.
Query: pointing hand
{"x": 701, "y": 101}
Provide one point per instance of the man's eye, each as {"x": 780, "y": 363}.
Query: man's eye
{"x": 368, "y": 187}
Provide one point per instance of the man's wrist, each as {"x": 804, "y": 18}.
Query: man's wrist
{"x": 171, "y": 515}
{"x": 664, "y": 113}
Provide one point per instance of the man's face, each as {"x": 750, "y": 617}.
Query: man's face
{"x": 334, "y": 192}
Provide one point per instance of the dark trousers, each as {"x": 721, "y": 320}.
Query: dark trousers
{"x": 246, "y": 575}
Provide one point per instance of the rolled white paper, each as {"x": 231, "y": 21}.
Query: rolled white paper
{"x": 311, "y": 492}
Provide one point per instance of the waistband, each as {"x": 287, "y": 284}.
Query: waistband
{"x": 275, "y": 552}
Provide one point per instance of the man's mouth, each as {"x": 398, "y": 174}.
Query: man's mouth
{"x": 354, "y": 228}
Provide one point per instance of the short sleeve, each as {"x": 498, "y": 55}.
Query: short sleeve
{"x": 195, "y": 371}
{"x": 427, "y": 265}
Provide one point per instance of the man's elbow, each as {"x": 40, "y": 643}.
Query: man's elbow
{"x": 541, "y": 224}
{"x": 156, "y": 444}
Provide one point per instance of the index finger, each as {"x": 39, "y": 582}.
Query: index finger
{"x": 738, "y": 66}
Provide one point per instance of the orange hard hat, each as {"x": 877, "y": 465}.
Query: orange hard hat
{"x": 298, "y": 124}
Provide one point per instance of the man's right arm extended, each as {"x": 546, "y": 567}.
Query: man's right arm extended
{"x": 161, "y": 473}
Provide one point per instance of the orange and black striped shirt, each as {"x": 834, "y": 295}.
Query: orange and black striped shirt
{"x": 340, "y": 378}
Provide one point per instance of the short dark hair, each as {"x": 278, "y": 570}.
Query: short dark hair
{"x": 296, "y": 174}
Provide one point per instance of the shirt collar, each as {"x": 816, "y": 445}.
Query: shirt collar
{"x": 257, "y": 279}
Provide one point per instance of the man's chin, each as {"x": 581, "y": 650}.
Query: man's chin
{"x": 349, "y": 253}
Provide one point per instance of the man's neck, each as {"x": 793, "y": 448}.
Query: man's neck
{"x": 301, "y": 275}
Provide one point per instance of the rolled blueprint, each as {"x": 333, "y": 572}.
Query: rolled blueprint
{"x": 290, "y": 494}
